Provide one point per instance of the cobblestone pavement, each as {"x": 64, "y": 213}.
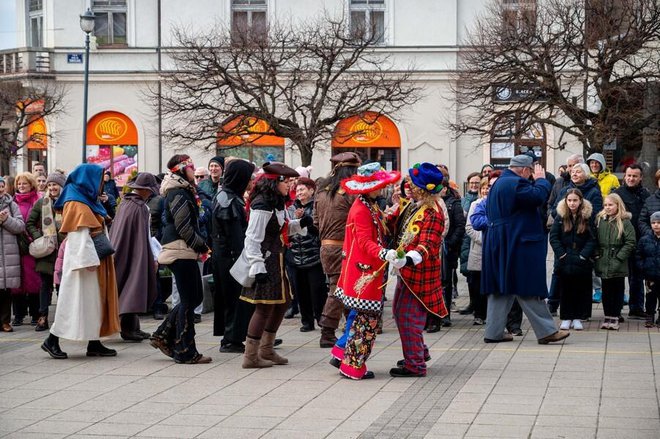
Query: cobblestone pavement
{"x": 597, "y": 384}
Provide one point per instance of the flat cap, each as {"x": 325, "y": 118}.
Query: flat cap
{"x": 521, "y": 161}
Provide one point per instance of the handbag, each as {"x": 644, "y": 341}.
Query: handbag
{"x": 102, "y": 245}
{"x": 47, "y": 243}
{"x": 241, "y": 271}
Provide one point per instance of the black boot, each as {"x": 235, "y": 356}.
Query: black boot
{"x": 52, "y": 346}
{"x": 96, "y": 349}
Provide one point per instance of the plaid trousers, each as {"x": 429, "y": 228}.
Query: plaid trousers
{"x": 410, "y": 318}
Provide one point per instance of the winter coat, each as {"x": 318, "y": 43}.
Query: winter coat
{"x": 590, "y": 191}
{"x": 30, "y": 279}
{"x": 454, "y": 237}
{"x": 468, "y": 199}
{"x": 648, "y": 257}
{"x": 651, "y": 205}
{"x": 33, "y": 226}
{"x": 156, "y": 205}
{"x": 10, "y": 259}
{"x": 515, "y": 246}
{"x": 560, "y": 183}
{"x": 110, "y": 188}
{"x": 305, "y": 249}
{"x": 475, "y": 238}
{"x": 181, "y": 214}
{"x": 613, "y": 251}
{"x": 211, "y": 189}
{"x": 573, "y": 250}
{"x": 633, "y": 198}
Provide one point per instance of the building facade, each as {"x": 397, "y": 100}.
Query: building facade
{"x": 129, "y": 48}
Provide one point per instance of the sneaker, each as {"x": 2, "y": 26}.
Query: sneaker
{"x": 598, "y": 296}
{"x": 614, "y": 326}
{"x": 478, "y": 322}
{"x": 577, "y": 325}
{"x": 565, "y": 325}
{"x": 606, "y": 323}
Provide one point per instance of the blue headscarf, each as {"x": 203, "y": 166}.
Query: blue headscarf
{"x": 83, "y": 185}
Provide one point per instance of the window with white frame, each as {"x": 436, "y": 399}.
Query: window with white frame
{"x": 249, "y": 18}
{"x": 35, "y": 22}
{"x": 519, "y": 14}
{"x": 367, "y": 19}
{"x": 110, "y": 23}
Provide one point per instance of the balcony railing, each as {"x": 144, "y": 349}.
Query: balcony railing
{"x": 24, "y": 60}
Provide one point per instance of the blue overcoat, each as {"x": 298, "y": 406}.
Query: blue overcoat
{"x": 515, "y": 247}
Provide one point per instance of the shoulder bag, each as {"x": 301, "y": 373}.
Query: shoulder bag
{"x": 46, "y": 243}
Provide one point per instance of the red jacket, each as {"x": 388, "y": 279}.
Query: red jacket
{"x": 423, "y": 234}
{"x": 360, "y": 285}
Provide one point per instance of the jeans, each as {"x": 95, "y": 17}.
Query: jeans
{"x": 45, "y": 293}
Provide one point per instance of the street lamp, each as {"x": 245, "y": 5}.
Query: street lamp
{"x": 87, "y": 26}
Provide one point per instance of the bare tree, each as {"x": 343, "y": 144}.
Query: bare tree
{"x": 20, "y": 105}
{"x": 582, "y": 66}
{"x": 301, "y": 79}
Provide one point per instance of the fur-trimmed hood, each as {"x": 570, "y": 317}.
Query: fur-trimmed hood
{"x": 587, "y": 209}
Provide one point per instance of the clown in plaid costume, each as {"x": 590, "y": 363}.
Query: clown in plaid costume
{"x": 418, "y": 289}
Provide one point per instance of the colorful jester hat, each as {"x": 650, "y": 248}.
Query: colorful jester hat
{"x": 426, "y": 176}
{"x": 369, "y": 178}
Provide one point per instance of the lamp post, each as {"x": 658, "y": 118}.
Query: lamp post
{"x": 87, "y": 26}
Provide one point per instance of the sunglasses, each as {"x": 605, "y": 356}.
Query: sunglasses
{"x": 199, "y": 176}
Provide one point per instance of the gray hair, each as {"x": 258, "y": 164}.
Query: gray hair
{"x": 578, "y": 157}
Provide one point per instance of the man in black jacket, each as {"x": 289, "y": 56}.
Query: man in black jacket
{"x": 634, "y": 195}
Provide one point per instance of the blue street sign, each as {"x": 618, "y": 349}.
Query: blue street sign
{"x": 74, "y": 58}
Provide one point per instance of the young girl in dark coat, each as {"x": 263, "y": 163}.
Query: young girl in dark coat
{"x": 573, "y": 242}
{"x": 648, "y": 261}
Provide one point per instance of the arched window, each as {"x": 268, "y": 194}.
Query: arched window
{"x": 112, "y": 143}
{"x": 372, "y": 135}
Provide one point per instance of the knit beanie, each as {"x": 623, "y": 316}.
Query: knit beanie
{"x": 56, "y": 177}
{"x": 655, "y": 217}
{"x": 219, "y": 160}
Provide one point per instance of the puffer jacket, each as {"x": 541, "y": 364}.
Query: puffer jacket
{"x": 305, "y": 250}
{"x": 475, "y": 238}
{"x": 633, "y": 198}
{"x": 648, "y": 257}
{"x": 606, "y": 180}
{"x": 614, "y": 251}
{"x": 651, "y": 205}
{"x": 573, "y": 250}
{"x": 10, "y": 259}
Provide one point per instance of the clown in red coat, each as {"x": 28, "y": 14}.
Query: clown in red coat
{"x": 360, "y": 285}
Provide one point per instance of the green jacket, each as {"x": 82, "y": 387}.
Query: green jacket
{"x": 613, "y": 251}
{"x": 33, "y": 226}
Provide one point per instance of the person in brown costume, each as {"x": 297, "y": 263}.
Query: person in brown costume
{"x": 330, "y": 211}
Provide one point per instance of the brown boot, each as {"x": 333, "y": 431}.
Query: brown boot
{"x": 266, "y": 350}
{"x": 328, "y": 338}
{"x": 251, "y": 359}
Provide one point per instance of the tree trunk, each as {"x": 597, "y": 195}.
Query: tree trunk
{"x": 305, "y": 154}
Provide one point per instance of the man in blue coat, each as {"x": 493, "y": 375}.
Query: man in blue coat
{"x": 514, "y": 252}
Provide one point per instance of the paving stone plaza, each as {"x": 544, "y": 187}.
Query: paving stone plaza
{"x": 598, "y": 384}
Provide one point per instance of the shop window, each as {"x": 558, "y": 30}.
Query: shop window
{"x": 112, "y": 143}
{"x": 110, "y": 23}
{"x": 249, "y": 19}
{"x": 367, "y": 19}
{"x": 510, "y": 139}
{"x": 35, "y": 23}
{"x": 245, "y": 137}
{"x": 519, "y": 15}
{"x": 372, "y": 136}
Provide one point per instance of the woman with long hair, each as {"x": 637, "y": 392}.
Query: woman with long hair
{"x": 183, "y": 244}
{"x": 87, "y": 305}
{"x": 11, "y": 225}
{"x": 573, "y": 242}
{"x": 26, "y": 297}
{"x": 616, "y": 243}
{"x": 266, "y": 233}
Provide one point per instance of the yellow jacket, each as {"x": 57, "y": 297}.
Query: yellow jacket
{"x": 607, "y": 182}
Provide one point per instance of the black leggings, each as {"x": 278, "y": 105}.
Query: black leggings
{"x": 478, "y": 300}
{"x": 613, "y": 289}
{"x": 45, "y": 293}
{"x": 312, "y": 292}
